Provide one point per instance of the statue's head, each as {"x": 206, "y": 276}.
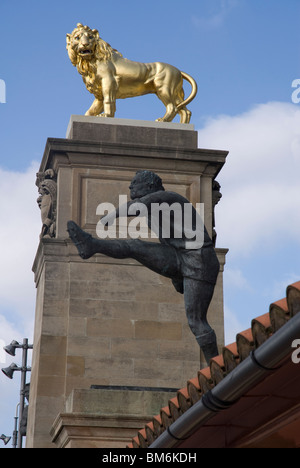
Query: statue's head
{"x": 82, "y": 43}
{"x": 143, "y": 183}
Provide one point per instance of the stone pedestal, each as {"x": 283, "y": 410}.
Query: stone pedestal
{"x": 104, "y": 321}
{"x": 106, "y": 417}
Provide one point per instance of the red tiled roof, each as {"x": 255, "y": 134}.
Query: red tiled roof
{"x": 262, "y": 328}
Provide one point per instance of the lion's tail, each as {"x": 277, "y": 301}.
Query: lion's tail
{"x": 193, "y": 93}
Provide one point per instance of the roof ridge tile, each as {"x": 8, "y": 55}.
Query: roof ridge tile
{"x": 184, "y": 399}
{"x": 217, "y": 369}
{"x": 279, "y": 314}
{"x": 194, "y": 390}
{"x": 166, "y": 417}
{"x": 135, "y": 442}
{"x": 205, "y": 381}
{"x": 174, "y": 407}
{"x": 150, "y": 432}
{"x": 293, "y": 298}
{"x": 143, "y": 438}
{"x": 261, "y": 329}
{"x": 157, "y": 425}
{"x": 231, "y": 357}
{"x": 245, "y": 343}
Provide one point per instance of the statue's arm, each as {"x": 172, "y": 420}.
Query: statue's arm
{"x": 109, "y": 219}
{"x": 140, "y": 206}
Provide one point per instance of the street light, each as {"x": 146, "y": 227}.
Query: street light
{"x": 5, "y": 439}
{"x": 11, "y": 348}
{"x": 9, "y": 372}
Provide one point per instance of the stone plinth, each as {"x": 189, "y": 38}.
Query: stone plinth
{"x": 106, "y": 417}
{"x": 113, "y": 130}
{"x": 104, "y": 321}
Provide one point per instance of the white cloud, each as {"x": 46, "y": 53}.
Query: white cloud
{"x": 259, "y": 210}
{"x": 19, "y": 237}
{"x": 218, "y": 11}
{"x": 281, "y": 284}
{"x": 233, "y": 325}
{"x": 235, "y": 279}
{"x": 260, "y": 180}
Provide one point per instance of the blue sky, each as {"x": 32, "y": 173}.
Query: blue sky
{"x": 244, "y": 55}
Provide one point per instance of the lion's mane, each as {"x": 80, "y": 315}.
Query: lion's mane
{"x": 103, "y": 51}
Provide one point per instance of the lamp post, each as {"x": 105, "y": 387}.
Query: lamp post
{"x": 9, "y": 371}
{"x": 15, "y": 433}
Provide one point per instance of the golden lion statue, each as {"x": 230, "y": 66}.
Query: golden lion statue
{"x": 110, "y": 76}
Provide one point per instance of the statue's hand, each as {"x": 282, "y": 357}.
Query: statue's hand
{"x": 104, "y": 221}
{"x": 108, "y": 220}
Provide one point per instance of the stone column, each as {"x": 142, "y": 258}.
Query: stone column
{"x": 102, "y": 321}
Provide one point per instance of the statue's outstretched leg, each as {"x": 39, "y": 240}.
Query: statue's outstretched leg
{"x": 82, "y": 240}
{"x": 197, "y": 297}
{"x": 162, "y": 259}
{"x": 157, "y": 257}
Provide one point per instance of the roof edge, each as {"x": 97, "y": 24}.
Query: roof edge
{"x": 254, "y": 368}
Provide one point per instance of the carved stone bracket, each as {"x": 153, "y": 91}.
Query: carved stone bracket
{"x": 47, "y": 187}
{"x": 216, "y": 197}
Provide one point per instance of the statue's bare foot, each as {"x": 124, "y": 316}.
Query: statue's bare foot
{"x": 82, "y": 240}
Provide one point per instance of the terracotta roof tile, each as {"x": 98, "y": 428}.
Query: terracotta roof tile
{"x": 184, "y": 399}
{"x": 231, "y": 357}
{"x": 293, "y": 298}
{"x": 205, "y": 380}
{"x": 174, "y": 408}
{"x": 135, "y": 442}
{"x": 279, "y": 314}
{"x": 166, "y": 417}
{"x": 194, "y": 390}
{"x": 143, "y": 438}
{"x": 262, "y": 328}
{"x": 157, "y": 425}
{"x": 217, "y": 369}
{"x": 150, "y": 432}
{"x": 245, "y": 343}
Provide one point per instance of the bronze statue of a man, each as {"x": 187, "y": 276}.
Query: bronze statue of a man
{"x": 192, "y": 265}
